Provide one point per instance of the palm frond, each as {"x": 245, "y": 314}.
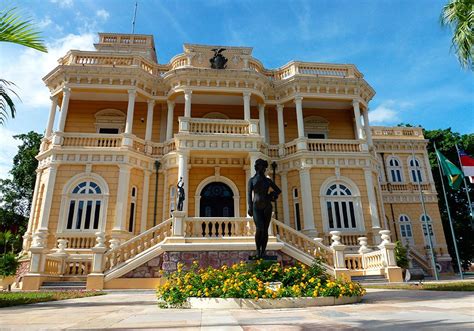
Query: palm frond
{"x": 459, "y": 16}
{"x": 16, "y": 30}
{"x": 6, "y": 102}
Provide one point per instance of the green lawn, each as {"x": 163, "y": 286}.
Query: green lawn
{"x": 451, "y": 286}
{"x": 8, "y": 299}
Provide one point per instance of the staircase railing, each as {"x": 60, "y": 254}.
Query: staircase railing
{"x": 136, "y": 245}
{"x": 415, "y": 255}
{"x": 302, "y": 242}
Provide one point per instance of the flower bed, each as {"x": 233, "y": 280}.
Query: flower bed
{"x": 259, "y": 280}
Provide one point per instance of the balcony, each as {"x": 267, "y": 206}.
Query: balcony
{"x": 404, "y": 187}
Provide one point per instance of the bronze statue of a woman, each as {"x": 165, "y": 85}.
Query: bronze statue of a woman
{"x": 181, "y": 196}
{"x": 260, "y": 204}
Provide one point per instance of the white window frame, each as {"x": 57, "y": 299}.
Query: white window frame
{"x": 418, "y": 169}
{"x": 133, "y": 201}
{"x": 405, "y": 226}
{"x": 296, "y": 202}
{"x": 427, "y": 224}
{"x": 395, "y": 168}
{"x": 110, "y": 119}
{"x": 316, "y": 125}
{"x": 67, "y": 196}
{"x": 355, "y": 198}
{"x": 172, "y": 204}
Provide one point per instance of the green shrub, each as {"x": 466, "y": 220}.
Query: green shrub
{"x": 401, "y": 255}
{"x": 8, "y": 264}
{"x": 254, "y": 280}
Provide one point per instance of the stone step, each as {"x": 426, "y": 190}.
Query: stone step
{"x": 63, "y": 286}
{"x": 372, "y": 279}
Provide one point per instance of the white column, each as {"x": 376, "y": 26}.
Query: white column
{"x": 284, "y": 196}
{"x": 166, "y": 192}
{"x": 184, "y": 173}
{"x": 187, "y": 103}
{"x": 368, "y": 132}
{"x": 281, "y": 125}
{"x": 299, "y": 116}
{"x": 149, "y": 120}
{"x": 253, "y": 158}
{"x": 34, "y": 201}
{"x": 146, "y": 190}
{"x": 169, "y": 124}
{"x": 64, "y": 108}
{"x": 121, "y": 204}
{"x": 52, "y": 115}
{"x": 48, "y": 198}
{"x": 130, "y": 110}
{"x": 307, "y": 201}
{"x": 261, "y": 121}
{"x": 374, "y": 214}
{"x": 358, "y": 123}
{"x": 247, "y": 105}
{"x": 247, "y": 178}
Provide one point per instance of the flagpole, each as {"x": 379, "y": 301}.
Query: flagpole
{"x": 422, "y": 199}
{"x": 471, "y": 213}
{"x": 449, "y": 216}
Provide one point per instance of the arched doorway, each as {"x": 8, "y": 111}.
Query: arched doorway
{"x": 217, "y": 200}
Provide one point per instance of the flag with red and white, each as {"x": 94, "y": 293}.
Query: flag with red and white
{"x": 467, "y": 164}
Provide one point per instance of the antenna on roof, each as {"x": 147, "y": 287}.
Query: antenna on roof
{"x": 134, "y": 17}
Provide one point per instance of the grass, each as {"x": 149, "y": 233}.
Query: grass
{"x": 451, "y": 286}
{"x": 8, "y": 299}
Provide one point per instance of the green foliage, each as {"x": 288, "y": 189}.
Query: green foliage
{"x": 401, "y": 254}
{"x": 258, "y": 280}
{"x": 459, "y": 16}
{"x": 16, "y": 30}
{"x": 8, "y": 299}
{"x": 6, "y": 101}
{"x": 17, "y": 192}
{"x": 8, "y": 264}
{"x": 448, "y": 286}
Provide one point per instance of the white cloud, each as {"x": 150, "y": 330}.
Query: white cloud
{"x": 8, "y": 149}
{"x": 44, "y": 23}
{"x": 63, "y": 3}
{"x": 103, "y": 14}
{"x": 30, "y": 66}
{"x": 387, "y": 113}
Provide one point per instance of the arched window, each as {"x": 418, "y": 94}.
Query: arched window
{"x": 395, "y": 170}
{"x": 85, "y": 204}
{"x": 133, "y": 207}
{"x": 415, "y": 170}
{"x": 405, "y": 228}
{"x": 296, "y": 205}
{"x": 341, "y": 207}
{"x": 427, "y": 226}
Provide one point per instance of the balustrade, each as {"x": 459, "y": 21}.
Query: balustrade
{"x": 373, "y": 260}
{"x": 91, "y": 140}
{"x": 407, "y": 187}
{"x": 219, "y": 227}
{"x": 136, "y": 245}
{"x": 214, "y": 126}
{"x": 53, "y": 266}
{"x": 326, "y": 145}
{"x": 353, "y": 261}
{"x": 77, "y": 267}
{"x": 348, "y": 239}
{"x": 80, "y": 241}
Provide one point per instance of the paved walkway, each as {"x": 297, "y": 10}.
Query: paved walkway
{"x": 387, "y": 309}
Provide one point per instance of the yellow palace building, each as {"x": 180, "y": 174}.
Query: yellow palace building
{"x": 127, "y": 128}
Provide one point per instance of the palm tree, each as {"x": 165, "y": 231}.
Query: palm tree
{"x": 459, "y": 15}
{"x": 14, "y": 29}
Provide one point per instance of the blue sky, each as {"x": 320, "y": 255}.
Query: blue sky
{"x": 398, "y": 45}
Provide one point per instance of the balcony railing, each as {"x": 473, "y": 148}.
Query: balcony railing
{"x": 91, "y": 58}
{"x": 207, "y": 126}
{"x": 91, "y": 140}
{"x": 326, "y": 145}
{"x": 383, "y": 132}
{"x": 407, "y": 187}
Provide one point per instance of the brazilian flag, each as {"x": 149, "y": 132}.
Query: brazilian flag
{"x": 450, "y": 170}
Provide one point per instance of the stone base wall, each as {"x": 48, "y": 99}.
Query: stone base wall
{"x": 168, "y": 261}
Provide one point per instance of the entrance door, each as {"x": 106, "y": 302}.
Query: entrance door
{"x": 217, "y": 200}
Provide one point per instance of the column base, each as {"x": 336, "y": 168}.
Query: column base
{"x": 394, "y": 274}
{"x": 32, "y": 282}
{"x": 313, "y": 233}
{"x": 95, "y": 282}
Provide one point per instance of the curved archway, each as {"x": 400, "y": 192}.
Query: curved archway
{"x": 219, "y": 179}
{"x": 217, "y": 200}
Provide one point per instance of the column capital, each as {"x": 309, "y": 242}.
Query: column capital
{"x": 124, "y": 167}
{"x": 66, "y": 90}
{"x": 188, "y": 91}
{"x": 132, "y": 92}
{"x": 261, "y": 105}
{"x": 54, "y": 98}
{"x": 151, "y": 102}
{"x": 298, "y": 98}
{"x": 246, "y": 94}
{"x": 356, "y": 102}
{"x": 170, "y": 103}
{"x": 280, "y": 107}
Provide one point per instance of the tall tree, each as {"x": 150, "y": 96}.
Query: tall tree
{"x": 459, "y": 15}
{"x": 19, "y": 31}
{"x": 17, "y": 193}
{"x": 446, "y": 141}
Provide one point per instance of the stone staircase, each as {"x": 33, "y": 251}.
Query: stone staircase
{"x": 373, "y": 279}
